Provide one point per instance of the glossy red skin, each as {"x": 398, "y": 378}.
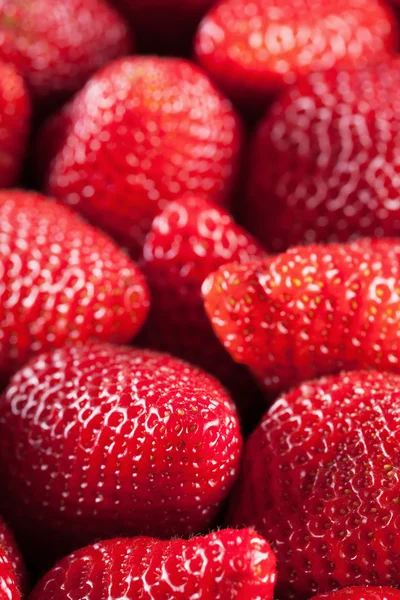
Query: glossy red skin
{"x": 141, "y": 133}
{"x": 57, "y": 45}
{"x": 15, "y": 115}
{"x": 310, "y": 311}
{"x": 188, "y": 240}
{"x": 322, "y": 165}
{"x": 62, "y": 281}
{"x": 322, "y": 473}
{"x": 362, "y": 593}
{"x": 115, "y": 441}
{"x": 253, "y": 51}
{"x": 221, "y": 565}
{"x": 12, "y": 572}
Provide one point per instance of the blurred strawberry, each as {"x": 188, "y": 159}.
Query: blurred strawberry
{"x": 57, "y": 45}
{"x": 12, "y": 574}
{"x": 62, "y": 281}
{"x": 252, "y": 50}
{"x": 141, "y": 133}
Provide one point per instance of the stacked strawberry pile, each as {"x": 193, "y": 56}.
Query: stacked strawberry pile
{"x": 199, "y": 300}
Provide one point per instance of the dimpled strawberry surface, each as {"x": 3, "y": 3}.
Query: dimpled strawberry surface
{"x": 362, "y": 593}
{"x": 12, "y": 571}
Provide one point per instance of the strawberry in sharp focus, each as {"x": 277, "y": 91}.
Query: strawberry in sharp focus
{"x": 99, "y": 441}
{"x": 311, "y": 311}
{"x": 188, "y": 240}
{"x": 324, "y": 161}
{"x": 252, "y": 50}
{"x": 62, "y": 281}
{"x": 57, "y": 45}
{"x": 320, "y": 480}
{"x": 361, "y": 593}
{"x": 12, "y": 572}
{"x": 141, "y": 133}
{"x": 223, "y": 565}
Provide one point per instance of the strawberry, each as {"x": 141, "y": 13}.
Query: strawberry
{"x": 362, "y": 593}
{"x": 12, "y": 575}
{"x": 310, "y": 311}
{"x": 15, "y": 114}
{"x": 219, "y": 566}
{"x": 157, "y": 22}
{"x": 189, "y": 239}
{"x": 57, "y": 45}
{"x": 252, "y": 52}
{"x": 322, "y": 473}
{"x": 141, "y": 133}
{"x": 323, "y": 164}
{"x": 61, "y": 281}
{"x": 99, "y": 441}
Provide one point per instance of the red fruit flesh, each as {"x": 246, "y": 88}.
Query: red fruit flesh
{"x": 62, "y": 281}
{"x": 253, "y": 50}
{"x": 222, "y": 565}
{"x": 323, "y": 163}
{"x": 12, "y": 573}
{"x": 191, "y": 238}
{"x": 310, "y": 311}
{"x": 99, "y": 441}
{"x": 361, "y": 593}
{"x": 57, "y": 45}
{"x": 141, "y": 133}
{"x": 320, "y": 481}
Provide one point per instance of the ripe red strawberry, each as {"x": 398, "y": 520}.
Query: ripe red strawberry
{"x": 12, "y": 575}
{"x": 188, "y": 240}
{"x": 219, "y": 566}
{"x": 323, "y": 165}
{"x": 310, "y": 311}
{"x": 141, "y": 133}
{"x": 361, "y": 593}
{"x": 156, "y": 22}
{"x": 320, "y": 480}
{"x": 57, "y": 45}
{"x": 99, "y": 441}
{"x": 252, "y": 52}
{"x": 61, "y": 281}
{"x": 15, "y": 113}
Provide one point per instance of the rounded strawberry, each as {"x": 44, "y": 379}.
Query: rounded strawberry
{"x": 253, "y": 52}
{"x": 323, "y": 162}
{"x": 98, "y": 441}
{"x": 218, "y": 566}
{"x": 57, "y": 45}
{"x": 311, "y": 311}
{"x": 62, "y": 281}
{"x": 15, "y": 114}
{"x": 188, "y": 240}
{"x": 12, "y": 571}
{"x": 141, "y": 133}
{"x": 320, "y": 480}
{"x": 361, "y": 593}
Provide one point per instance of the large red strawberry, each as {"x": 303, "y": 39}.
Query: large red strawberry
{"x": 310, "y": 311}
{"x": 361, "y": 593}
{"x": 321, "y": 479}
{"x": 98, "y": 441}
{"x": 220, "y": 566}
{"x": 324, "y": 161}
{"x": 252, "y": 51}
{"x": 57, "y": 45}
{"x": 140, "y": 134}
{"x": 189, "y": 240}
{"x": 61, "y": 281}
{"x": 15, "y": 113}
{"x": 12, "y": 575}
{"x": 165, "y": 25}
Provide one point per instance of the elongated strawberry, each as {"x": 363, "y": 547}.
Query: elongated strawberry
{"x": 57, "y": 45}
{"x": 320, "y": 481}
{"x": 141, "y": 133}
{"x": 12, "y": 575}
{"x": 222, "y": 565}
{"x": 253, "y": 52}
{"x": 323, "y": 164}
{"x": 362, "y": 593}
{"x": 62, "y": 281}
{"x": 98, "y": 441}
{"x": 188, "y": 240}
{"x": 310, "y": 311}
